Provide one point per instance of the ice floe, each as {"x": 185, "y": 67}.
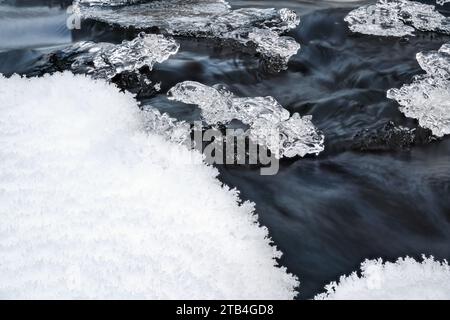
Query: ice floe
{"x": 270, "y": 124}
{"x": 427, "y": 98}
{"x": 397, "y": 18}
{"x": 261, "y": 29}
{"x": 94, "y": 206}
{"x": 406, "y": 279}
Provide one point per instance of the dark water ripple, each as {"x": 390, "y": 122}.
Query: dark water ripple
{"x": 327, "y": 213}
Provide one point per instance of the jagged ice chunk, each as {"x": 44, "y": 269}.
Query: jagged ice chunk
{"x": 397, "y": 18}
{"x": 251, "y": 27}
{"x": 270, "y": 124}
{"x": 427, "y": 98}
{"x": 406, "y": 279}
{"x": 106, "y": 60}
{"x": 94, "y": 206}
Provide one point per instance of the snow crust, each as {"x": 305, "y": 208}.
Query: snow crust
{"x": 406, "y": 279}
{"x": 94, "y": 206}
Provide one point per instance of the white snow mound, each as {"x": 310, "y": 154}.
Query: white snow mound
{"x": 92, "y": 206}
{"x": 405, "y": 279}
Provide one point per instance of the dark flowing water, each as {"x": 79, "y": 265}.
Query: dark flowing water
{"x": 328, "y": 213}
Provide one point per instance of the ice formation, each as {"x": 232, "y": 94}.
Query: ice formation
{"x": 442, "y": 2}
{"x": 270, "y": 124}
{"x": 93, "y": 206}
{"x": 106, "y": 60}
{"x": 258, "y": 28}
{"x": 110, "y": 3}
{"x": 427, "y": 98}
{"x": 397, "y": 18}
{"x": 405, "y": 279}
{"x": 176, "y": 131}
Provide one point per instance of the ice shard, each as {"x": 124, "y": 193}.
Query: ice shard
{"x": 442, "y": 2}
{"x": 110, "y": 3}
{"x": 128, "y": 64}
{"x": 106, "y": 60}
{"x": 427, "y": 98}
{"x": 258, "y": 29}
{"x": 162, "y": 124}
{"x": 270, "y": 124}
{"x": 397, "y": 18}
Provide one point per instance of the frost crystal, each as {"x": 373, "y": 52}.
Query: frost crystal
{"x": 106, "y": 60}
{"x": 397, "y": 18}
{"x": 427, "y": 98}
{"x": 406, "y": 279}
{"x": 270, "y": 124}
{"x": 259, "y": 28}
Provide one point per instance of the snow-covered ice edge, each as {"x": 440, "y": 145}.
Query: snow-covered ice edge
{"x": 93, "y": 206}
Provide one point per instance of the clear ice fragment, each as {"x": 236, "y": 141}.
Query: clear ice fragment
{"x": 436, "y": 63}
{"x": 270, "y": 124}
{"x": 106, "y": 60}
{"x": 397, "y": 18}
{"x": 427, "y": 98}
{"x": 162, "y": 124}
{"x": 110, "y": 3}
{"x": 442, "y": 2}
{"x": 250, "y": 27}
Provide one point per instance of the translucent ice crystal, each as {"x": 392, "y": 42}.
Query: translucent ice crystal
{"x": 251, "y": 27}
{"x": 106, "y": 60}
{"x": 270, "y": 124}
{"x": 111, "y": 3}
{"x": 274, "y": 47}
{"x": 427, "y": 98}
{"x": 397, "y": 18}
{"x": 442, "y": 2}
{"x": 436, "y": 63}
{"x": 162, "y": 124}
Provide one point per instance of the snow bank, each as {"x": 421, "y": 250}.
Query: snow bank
{"x": 92, "y": 206}
{"x": 405, "y": 279}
